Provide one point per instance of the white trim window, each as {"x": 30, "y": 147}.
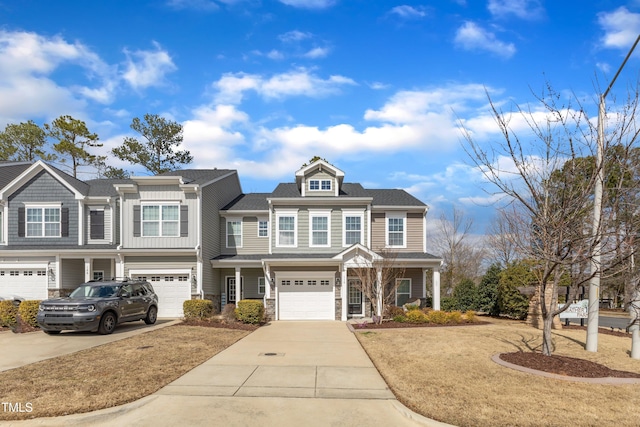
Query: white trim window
{"x": 160, "y": 220}
{"x": 261, "y": 286}
{"x": 403, "y": 291}
{"x": 234, "y": 233}
{"x": 320, "y": 229}
{"x": 319, "y": 185}
{"x": 43, "y": 221}
{"x": 396, "y": 230}
{"x": 352, "y": 228}
{"x": 287, "y": 229}
{"x": 263, "y": 227}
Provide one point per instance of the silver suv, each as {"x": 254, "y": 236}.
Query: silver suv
{"x": 99, "y": 306}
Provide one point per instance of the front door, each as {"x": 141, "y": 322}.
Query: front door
{"x": 231, "y": 290}
{"x": 355, "y": 297}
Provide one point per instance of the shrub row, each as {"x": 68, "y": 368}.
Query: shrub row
{"x": 247, "y": 311}
{"x": 436, "y": 317}
{"x": 26, "y": 312}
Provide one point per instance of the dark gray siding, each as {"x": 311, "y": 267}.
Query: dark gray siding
{"x": 43, "y": 188}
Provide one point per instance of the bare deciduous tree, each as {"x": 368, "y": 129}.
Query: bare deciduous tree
{"x": 371, "y": 271}
{"x": 542, "y": 176}
{"x": 500, "y": 240}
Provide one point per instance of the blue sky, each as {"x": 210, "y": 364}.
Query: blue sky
{"x": 378, "y": 88}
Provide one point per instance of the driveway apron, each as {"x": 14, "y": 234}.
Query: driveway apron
{"x": 288, "y": 359}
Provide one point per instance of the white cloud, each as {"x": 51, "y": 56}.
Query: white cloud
{"x": 409, "y": 12}
{"x": 26, "y": 89}
{"x": 294, "y": 36}
{"x": 299, "y": 82}
{"x": 621, "y": 28}
{"x": 523, "y": 9}
{"x": 471, "y": 36}
{"x": 317, "y": 52}
{"x": 145, "y": 68}
{"x": 309, "y": 4}
{"x": 378, "y": 85}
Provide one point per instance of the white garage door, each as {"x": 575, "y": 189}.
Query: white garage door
{"x": 28, "y": 283}
{"x": 172, "y": 291}
{"x": 306, "y": 298}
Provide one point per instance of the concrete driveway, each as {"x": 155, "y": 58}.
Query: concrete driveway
{"x": 283, "y": 374}
{"x": 36, "y": 346}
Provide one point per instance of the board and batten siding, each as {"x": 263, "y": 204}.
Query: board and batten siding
{"x": 414, "y": 226}
{"x": 72, "y": 273}
{"x": 108, "y": 223}
{"x": 215, "y": 196}
{"x": 43, "y": 188}
{"x": 159, "y": 263}
{"x": 158, "y": 193}
{"x": 102, "y": 264}
{"x": 249, "y": 281}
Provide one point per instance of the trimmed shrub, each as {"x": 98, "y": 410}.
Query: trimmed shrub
{"x": 8, "y": 314}
{"x": 197, "y": 309}
{"x": 416, "y": 316}
{"x": 470, "y": 316}
{"x": 250, "y": 311}
{"x": 28, "y": 311}
{"x": 400, "y": 318}
{"x": 454, "y": 317}
{"x": 438, "y": 317}
{"x": 448, "y": 304}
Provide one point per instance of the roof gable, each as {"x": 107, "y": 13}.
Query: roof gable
{"x": 77, "y": 187}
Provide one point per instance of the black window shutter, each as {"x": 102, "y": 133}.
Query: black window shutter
{"x": 64, "y": 222}
{"x": 21, "y": 222}
{"x": 184, "y": 221}
{"x": 136, "y": 221}
{"x": 97, "y": 224}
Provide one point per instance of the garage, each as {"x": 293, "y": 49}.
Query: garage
{"x": 306, "y": 296}
{"x": 173, "y": 289}
{"x": 28, "y": 282}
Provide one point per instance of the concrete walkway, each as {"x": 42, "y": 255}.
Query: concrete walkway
{"x": 283, "y": 374}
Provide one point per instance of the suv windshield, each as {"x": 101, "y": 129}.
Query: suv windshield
{"x": 102, "y": 291}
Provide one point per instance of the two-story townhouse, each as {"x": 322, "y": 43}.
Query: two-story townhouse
{"x": 55, "y": 231}
{"x": 297, "y": 247}
{"x": 58, "y": 231}
{"x": 169, "y": 231}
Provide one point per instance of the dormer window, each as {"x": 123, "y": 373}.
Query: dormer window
{"x": 320, "y": 185}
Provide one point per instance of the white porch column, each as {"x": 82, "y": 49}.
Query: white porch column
{"x": 238, "y": 286}
{"x": 119, "y": 267}
{"x": 87, "y": 269}
{"x": 344, "y": 293}
{"x": 424, "y": 283}
{"x": 436, "y": 288}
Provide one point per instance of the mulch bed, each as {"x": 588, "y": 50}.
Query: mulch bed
{"x": 214, "y": 323}
{"x": 563, "y": 365}
{"x": 395, "y": 325}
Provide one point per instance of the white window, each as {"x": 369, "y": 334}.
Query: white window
{"x": 325, "y": 282}
{"x": 298, "y": 282}
{"x": 43, "y": 221}
{"x": 319, "y": 228}
{"x": 155, "y": 278}
{"x": 14, "y": 273}
{"x": 168, "y": 278}
{"x": 396, "y": 230}
{"x": 319, "y": 185}
{"x": 161, "y": 220}
{"x": 183, "y": 278}
{"x": 98, "y": 275}
{"x": 261, "y": 285}
{"x": 263, "y": 228}
{"x": 352, "y": 227}
{"x": 287, "y": 232}
{"x": 286, "y": 282}
{"x": 234, "y": 233}
{"x": 27, "y": 273}
{"x": 403, "y": 291}
{"x": 39, "y": 273}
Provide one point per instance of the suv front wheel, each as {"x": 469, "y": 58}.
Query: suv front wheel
{"x": 152, "y": 315}
{"x": 107, "y": 323}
